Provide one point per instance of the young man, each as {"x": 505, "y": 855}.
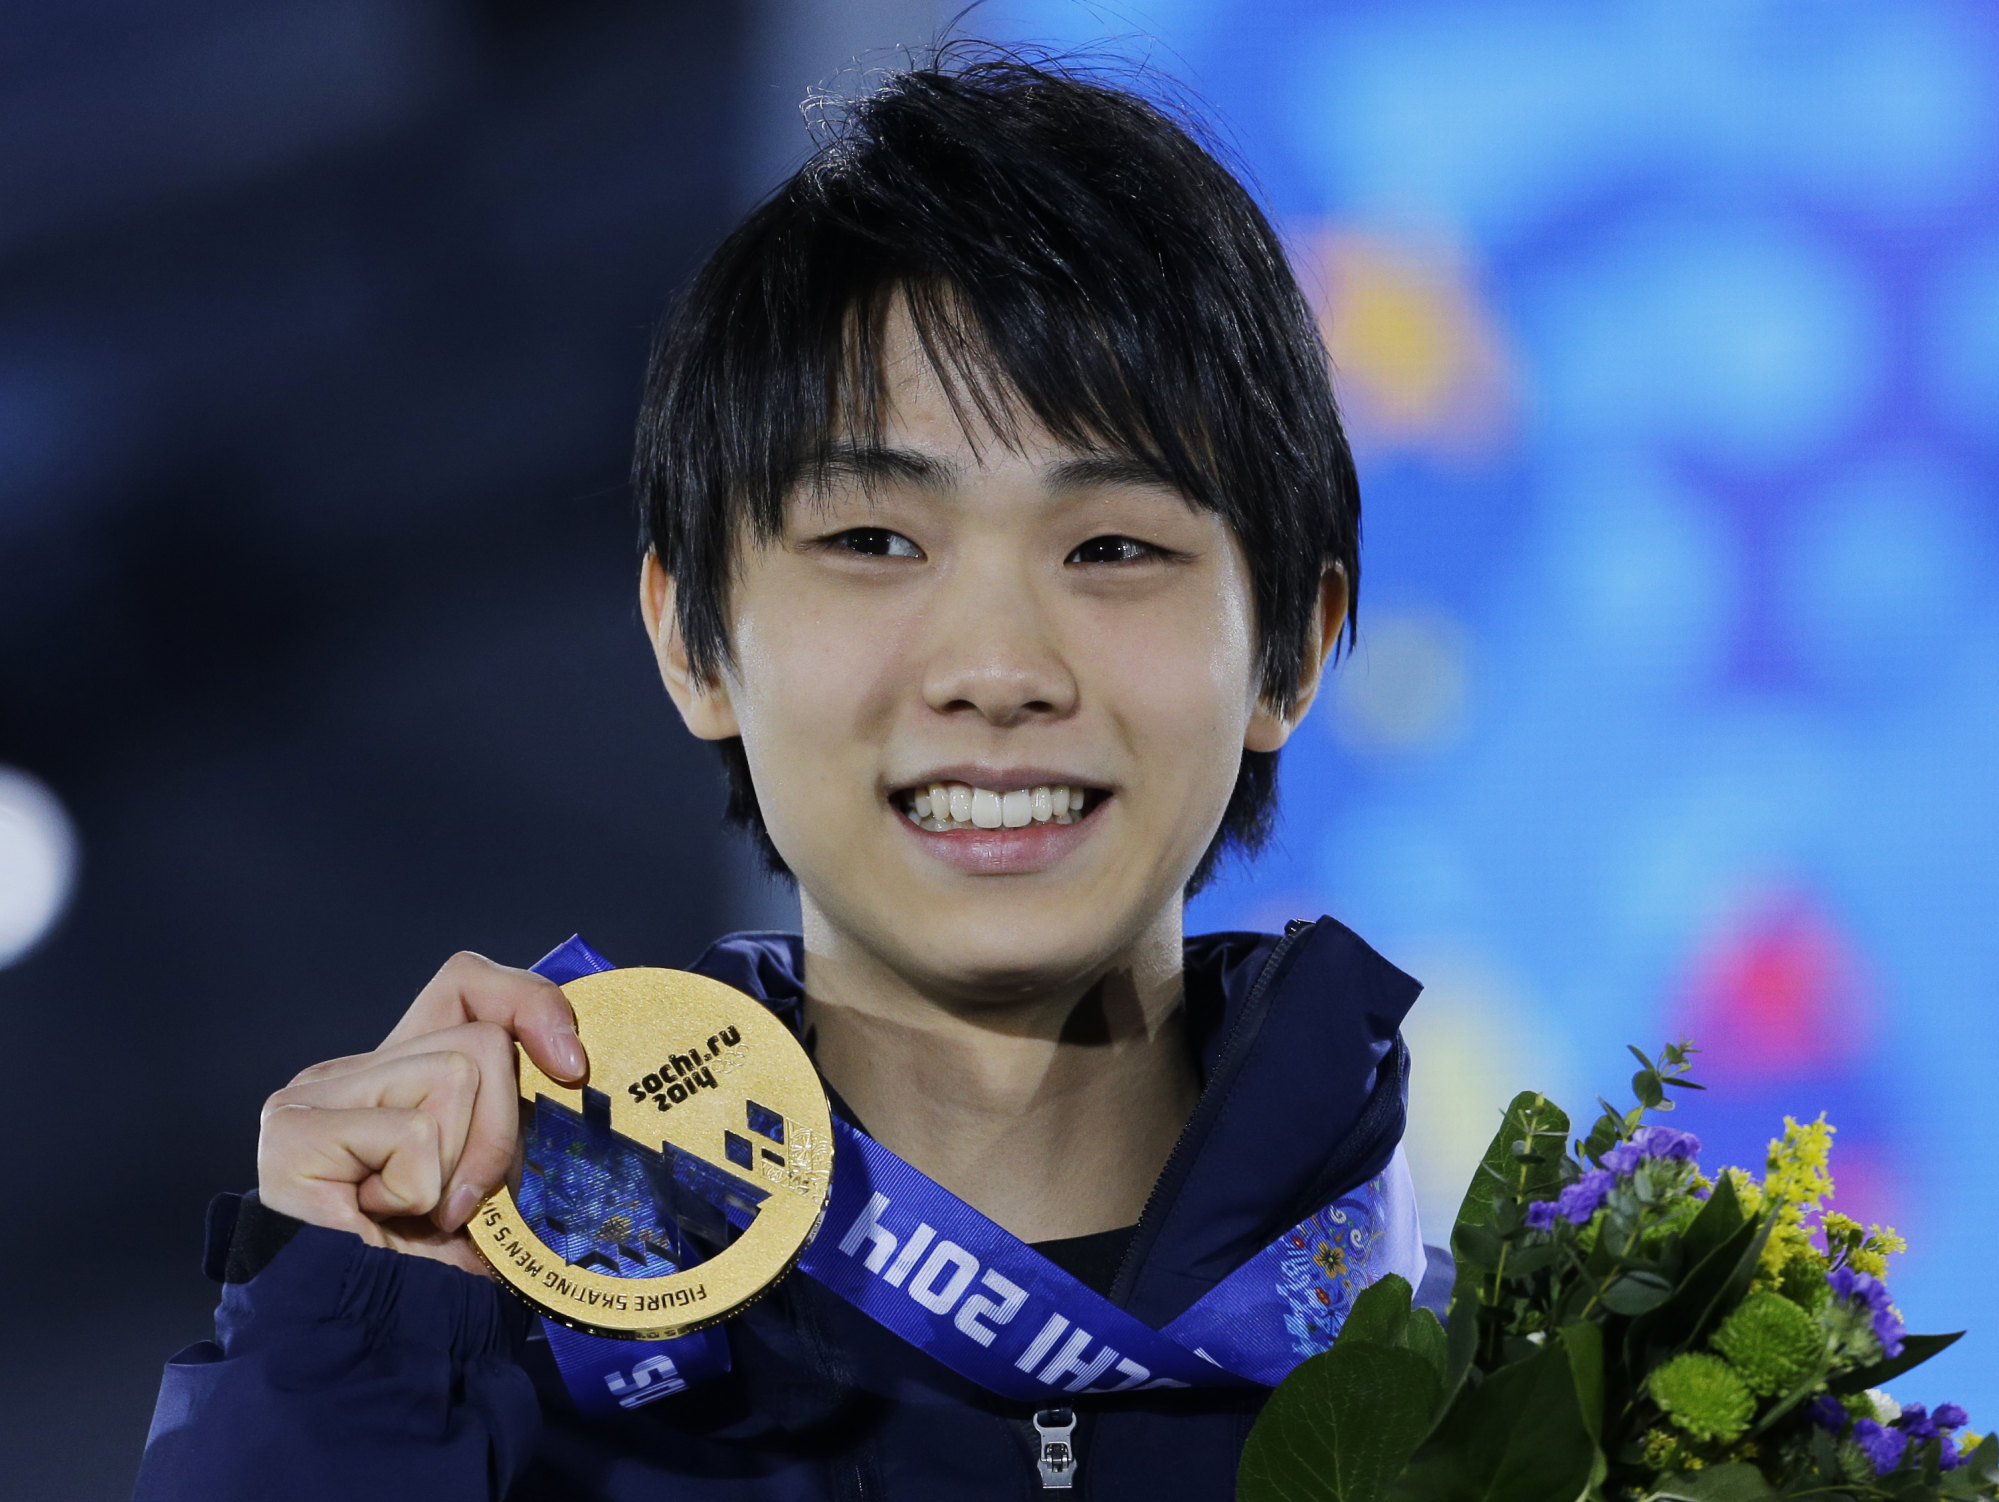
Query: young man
{"x": 998, "y": 527}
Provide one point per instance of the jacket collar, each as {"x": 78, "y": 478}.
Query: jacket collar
{"x": 1304, "y": 1086}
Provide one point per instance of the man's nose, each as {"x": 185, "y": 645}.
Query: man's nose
{"x": 994, "y": 651}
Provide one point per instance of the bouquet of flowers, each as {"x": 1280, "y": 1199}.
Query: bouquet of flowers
{"x": 1624, "y": 1328}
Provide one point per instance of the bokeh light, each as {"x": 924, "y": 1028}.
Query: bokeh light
{"x": 38, "y": 853}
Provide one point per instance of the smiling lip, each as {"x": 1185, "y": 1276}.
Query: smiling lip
{"x": 1020, "y": 850}
{"x": 1004, "y": 852}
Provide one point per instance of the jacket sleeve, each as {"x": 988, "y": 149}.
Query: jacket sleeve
{"x": 341, "y": 1370}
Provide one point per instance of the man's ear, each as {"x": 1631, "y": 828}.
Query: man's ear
{"x": 705, "y": 707}
{"x": 1269, "y": 730}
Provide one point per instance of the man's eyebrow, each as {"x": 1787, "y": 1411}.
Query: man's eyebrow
{"x": 1096, "y": 471}
{"x": 874, "y": 464}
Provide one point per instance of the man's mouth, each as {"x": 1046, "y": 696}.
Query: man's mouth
{"x": 941, "y": 807}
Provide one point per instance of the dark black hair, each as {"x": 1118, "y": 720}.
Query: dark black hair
{"x": 1062, "y": 245}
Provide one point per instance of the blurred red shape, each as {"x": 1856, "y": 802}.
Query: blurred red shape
{"x": 1776, "y": 993}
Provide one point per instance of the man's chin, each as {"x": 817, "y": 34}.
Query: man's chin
{"x": 1002, "y": 960}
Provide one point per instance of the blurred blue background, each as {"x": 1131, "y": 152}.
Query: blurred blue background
{"x": 1669, "y": 337}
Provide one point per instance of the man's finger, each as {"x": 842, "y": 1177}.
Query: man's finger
{"x": 472, "y": 988}
{"x": 447, "y": 1082}
{"x": 344, "y": 1167}
{"x": 488, "y": 1155}
{"x": 476, "y": 1161}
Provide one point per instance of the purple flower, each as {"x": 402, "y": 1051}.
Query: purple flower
{"x": 1937, "y": 1426}
{"x": 1651, "y": 1142}
{"x": 1888, "y": 1327}
{"x": 1664, "y": 1142}
{"x": 1541, "y": 1215}
{"x": 1882, "y": 1447}
{"x": 1828, "y": 1413}
{"x": 1583, "y": 1198}
{"x": 1621, "y": 1159}
{"x": 1916, "y": 1422}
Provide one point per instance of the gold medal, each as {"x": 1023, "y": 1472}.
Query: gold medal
{"x": 714, "y": 1093}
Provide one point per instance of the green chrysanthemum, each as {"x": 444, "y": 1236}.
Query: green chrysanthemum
{"x": 1664, "y": 1451}
{"x": 1703, "y": 1395}
{"x": 1802, "y": 1281}
{"x": 1772, "y": 1343}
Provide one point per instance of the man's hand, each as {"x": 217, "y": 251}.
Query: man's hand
{"x": 400, "y": 1145}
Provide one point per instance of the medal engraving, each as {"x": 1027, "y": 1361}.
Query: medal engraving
{"x": 716, "y": 1101}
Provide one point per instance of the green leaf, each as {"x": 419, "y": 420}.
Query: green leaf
{"x": 1720, "y": 1218}
{"x": 1467, "y": 1316}
{"x": 1380, "y": 1314}
{"x": 1637, "y": 1293}
{"x": 1424, "y": 1335}
{"x": 1722, "y": 1483}
{"x": 1982, "y": 1464}
{"x": 1518, "y": 1436}
{"x": 1584, "y": 1343}
{"x": 1476, "y": 1246}
{"x": 1536, "y": 1125}
{"x": 1959, "y": 1487}
{"x": 1916, "y": 1349}
{"x": 1710, "y": 1288}
{"x": 1523, "y": 1260}
{"x": 1340, "y": 1428}
{"x": 1645, "y": 1085}
{"x": 1526, "y": 1160}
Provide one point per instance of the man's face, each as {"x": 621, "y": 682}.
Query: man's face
{"x": 956, "y": 627}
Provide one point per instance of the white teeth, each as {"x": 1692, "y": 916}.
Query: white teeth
{"x": 942, "y": 807}
{"x": 985, "y": 808}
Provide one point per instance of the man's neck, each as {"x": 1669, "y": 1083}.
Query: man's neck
{"x": 1052, "y": 1114}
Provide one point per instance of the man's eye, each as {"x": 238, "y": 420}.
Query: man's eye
{"x": 1113, "y": 550}
{"x": 876, "y": 542}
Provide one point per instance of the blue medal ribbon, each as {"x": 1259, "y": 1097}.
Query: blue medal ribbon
{"x": 915, "y": 1258}
{"x": 581, "y": 1197}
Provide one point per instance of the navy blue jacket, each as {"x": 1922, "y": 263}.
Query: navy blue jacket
{"x": 341, "y": 1370}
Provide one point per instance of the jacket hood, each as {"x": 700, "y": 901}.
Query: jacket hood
{"x": 1304, "y": 1092}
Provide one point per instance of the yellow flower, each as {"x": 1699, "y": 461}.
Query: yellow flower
{"x": 1332, "y": 1260}
{"x": 1872, "y": 1255}
{"x": 1798, "y": 1178}
{"x": 1798, "y": 1183}
{"x": 1865, "y": 1251}
{"x": 1748, "y": 1192}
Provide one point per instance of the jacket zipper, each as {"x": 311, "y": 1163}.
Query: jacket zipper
{"x": 1056, "y": 1454}
{"x": 1237, "y": 1040}
{"x": 1055, "y": 1429}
